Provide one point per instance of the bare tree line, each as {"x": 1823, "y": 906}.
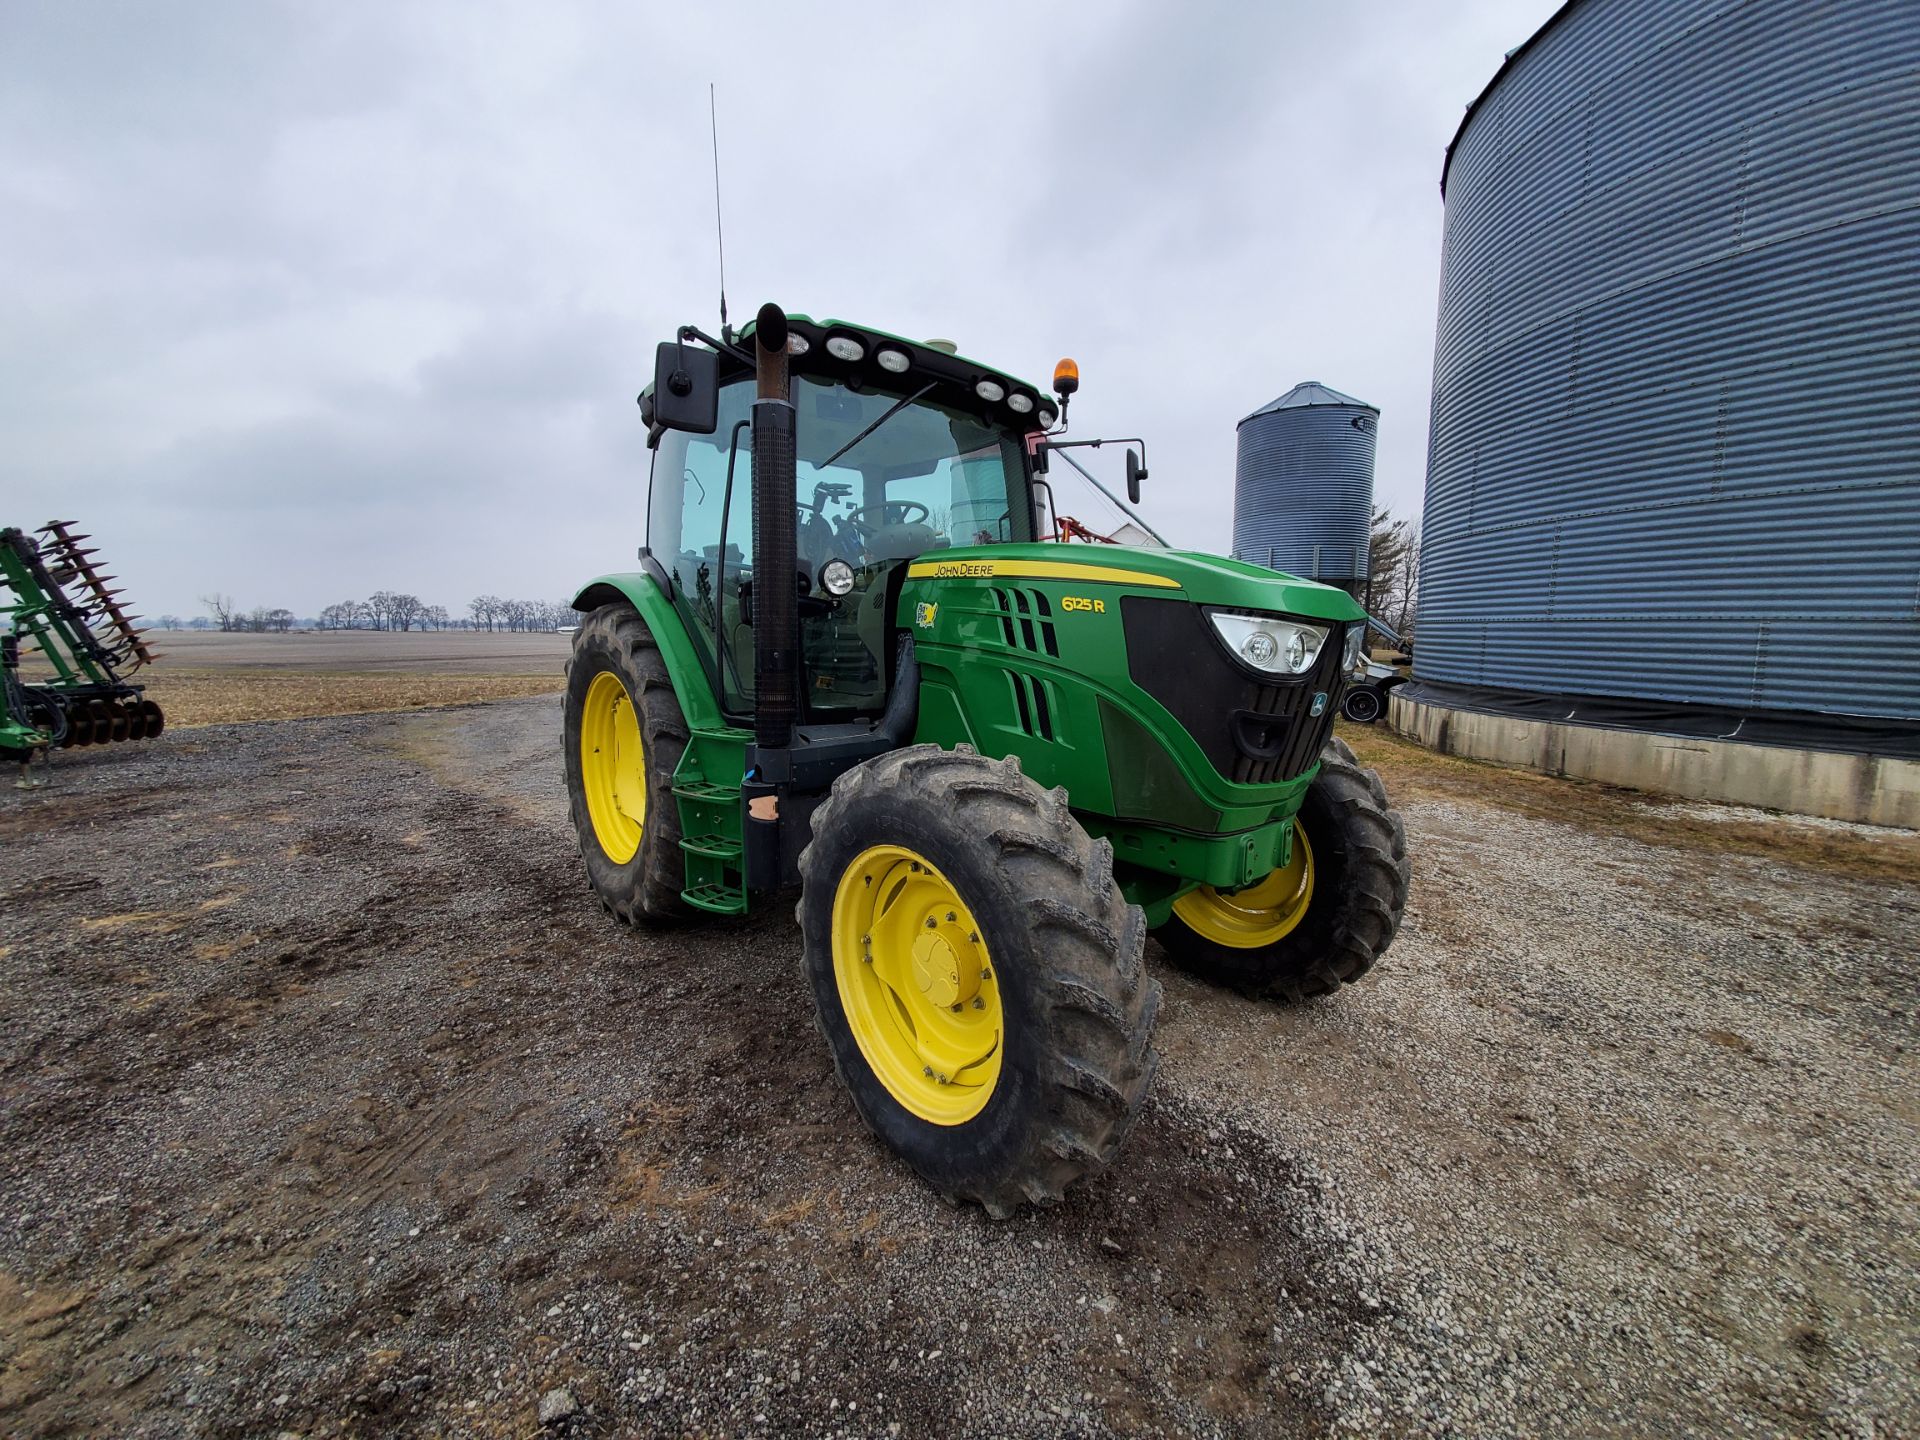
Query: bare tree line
{"x": 490, "y": 612}
{"x": 227, "y": 616}
{"x": 385, "y": 610}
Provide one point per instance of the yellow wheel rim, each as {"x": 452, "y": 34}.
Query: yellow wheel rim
{"x": 917, "y": 985}
{"x": 1261, "y": 913}
{"x": 613, "y": 769}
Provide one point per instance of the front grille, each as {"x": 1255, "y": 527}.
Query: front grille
{"x": 1174, "y": 655}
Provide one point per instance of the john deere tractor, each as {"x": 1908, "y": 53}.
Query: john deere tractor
{"x": 991, "y": 765}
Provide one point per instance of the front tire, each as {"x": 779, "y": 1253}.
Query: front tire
{"x": 977, "y": 974}
{"x": 1321, "y": 922}
{"x": 624, "y": 736}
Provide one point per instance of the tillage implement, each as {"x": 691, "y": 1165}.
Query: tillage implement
{"x": 57, "y": 605}
{"x": 992, "y": 766}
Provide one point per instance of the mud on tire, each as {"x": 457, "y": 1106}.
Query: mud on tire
{"x": 1067, "y": 955}
{"x": 646, "y": 888}
{"x": 1360, "y": 890}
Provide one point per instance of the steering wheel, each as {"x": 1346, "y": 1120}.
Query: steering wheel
{"x": 892, "y": 512}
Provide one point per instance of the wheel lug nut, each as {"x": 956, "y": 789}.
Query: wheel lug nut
{"x": 978, "y": 1003}
{"x": 927, "y": 1070}
{"x": 931, "y": 922}
{"x": 951, "y": 917}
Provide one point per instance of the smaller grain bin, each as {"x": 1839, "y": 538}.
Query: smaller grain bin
{"x": 1303, "y": 485}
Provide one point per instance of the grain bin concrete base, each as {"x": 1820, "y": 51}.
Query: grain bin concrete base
{"x": 1875, "y": 789}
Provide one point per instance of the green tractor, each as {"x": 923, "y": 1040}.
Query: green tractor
{"x": 991, "y": 764}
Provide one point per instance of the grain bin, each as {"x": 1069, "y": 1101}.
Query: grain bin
{"x": 1673, "y": 476}
{"x": 1303, "y": 485}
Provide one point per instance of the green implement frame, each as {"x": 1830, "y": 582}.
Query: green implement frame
{"x": 55, "y": 600}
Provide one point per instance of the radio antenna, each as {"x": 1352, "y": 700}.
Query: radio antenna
{"x": 719, "y": 234}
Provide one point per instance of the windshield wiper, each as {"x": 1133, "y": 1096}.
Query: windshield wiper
{"x": 895, "y": 410}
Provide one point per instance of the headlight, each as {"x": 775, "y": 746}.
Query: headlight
{"x": 1266, "y": 642}
{"x": 845, "y": 347}
{"x": 836, "y": 577}
{"x": 1356, "y": 646}
{"x": 991, "y": 391}
{"x": 894, "y": 362}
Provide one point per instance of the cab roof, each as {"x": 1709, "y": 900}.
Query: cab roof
{"x": 936, "y": 364}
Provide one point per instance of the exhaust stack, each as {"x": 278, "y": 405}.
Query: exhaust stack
{"x": 776, "y": 609}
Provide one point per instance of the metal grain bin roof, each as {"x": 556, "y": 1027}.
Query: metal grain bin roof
{"x": 1309, "y": 393}
{"x": 1675, "y": 449}
{"x": 1303, "y": 484}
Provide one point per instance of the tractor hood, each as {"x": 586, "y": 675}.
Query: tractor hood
{"x": 1188, "y": 575}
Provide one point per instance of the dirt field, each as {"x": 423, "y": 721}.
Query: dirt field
{"x": 427, "y": 652}
{"x": 330, "y": 1103}
{"x": 208, "y": 678}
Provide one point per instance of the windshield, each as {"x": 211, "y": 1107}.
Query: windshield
{"x": 924, "y": 477}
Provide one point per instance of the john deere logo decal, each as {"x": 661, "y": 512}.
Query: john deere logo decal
{"x": 924, "y": 612}
{"x": 1319, "y": 702}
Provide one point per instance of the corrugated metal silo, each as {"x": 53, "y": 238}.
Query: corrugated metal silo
{"x": 1674, "y": 468}
{"x": 1303, "y": 485}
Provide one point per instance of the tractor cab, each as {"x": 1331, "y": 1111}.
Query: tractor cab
{"x": 900, "y": 449}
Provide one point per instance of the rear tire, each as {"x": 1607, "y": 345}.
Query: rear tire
{"x": 1057, "y": 968}
{"x": 1359, "y": 890}
{"x": 638, "y": 884}
{"x": 1363, "y": 705}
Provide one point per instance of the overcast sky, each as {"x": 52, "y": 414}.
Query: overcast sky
{"x": 307, "y": 301}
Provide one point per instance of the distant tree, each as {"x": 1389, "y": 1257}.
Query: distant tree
{"x": 220, "y": 607}
{"x": 168, "y": 622}
{"x": 280, "y": 621}
{"x": 485, "y": 609}
{"x": 434, "y": 615}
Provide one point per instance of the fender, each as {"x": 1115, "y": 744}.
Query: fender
{"x": 644, "y": 591}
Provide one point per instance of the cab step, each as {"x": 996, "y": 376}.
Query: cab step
{"x": 706, "y": 790}
{"x": 712, "y": 847}
{"x": 719, "y": 899}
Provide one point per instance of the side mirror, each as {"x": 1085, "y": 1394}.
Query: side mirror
{"x": 1136, "y": 472}
{"x": 686, "y": 388}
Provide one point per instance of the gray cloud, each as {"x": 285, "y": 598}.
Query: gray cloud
{"x": 304, "y": 301}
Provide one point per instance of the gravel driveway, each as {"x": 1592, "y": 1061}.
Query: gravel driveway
{"x": 330, "y": 1103}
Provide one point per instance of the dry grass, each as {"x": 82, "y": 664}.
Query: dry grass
{"x": 1412, "y": 770}
{"x": 220, "y": 697}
